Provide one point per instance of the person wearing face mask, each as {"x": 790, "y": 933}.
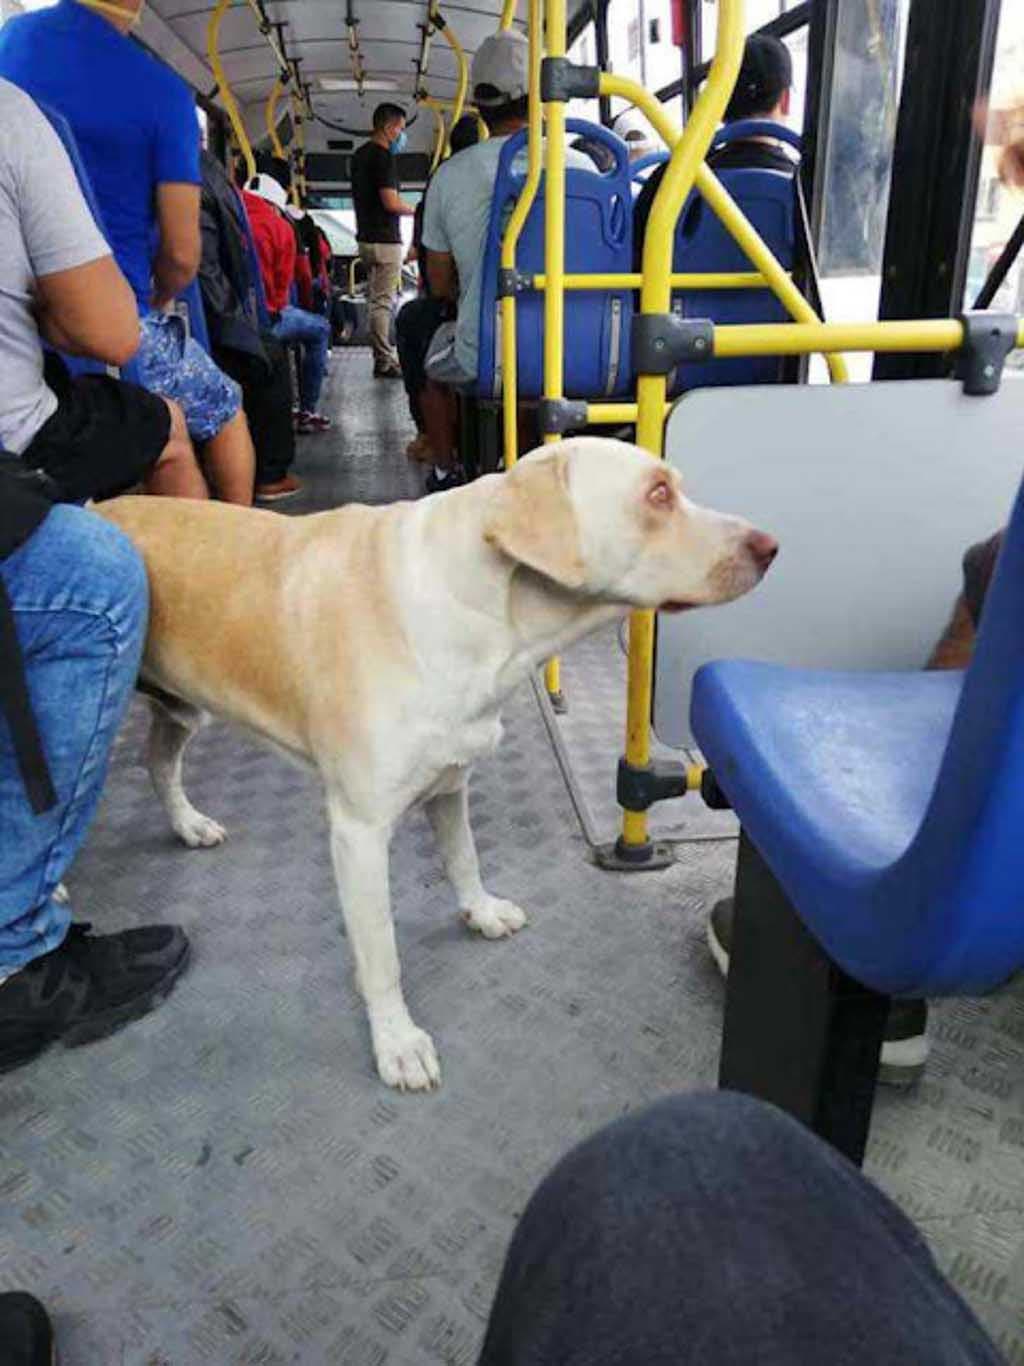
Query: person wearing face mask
{"x": 379, "y": 208}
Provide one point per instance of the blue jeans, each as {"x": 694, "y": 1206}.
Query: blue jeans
{"x": 78, "y": 592}
{"x": 715, "y": 1230}
{"x": 314, "y": 334}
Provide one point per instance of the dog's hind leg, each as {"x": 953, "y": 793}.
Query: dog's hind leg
{"x": 448, "y": 813}
{"x": 172, "y": 726}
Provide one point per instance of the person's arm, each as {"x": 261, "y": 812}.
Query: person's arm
{"x": 83, "y": 303}
{"x": 442, "y": 276}
{"x": 179, "y": 250}
{"x": 176, "y": 172}
{"x": 284, "y": 261}
{"x": 89, "y": 311}
{"x": 394, "y": 203}
{"x": 304, "y": 281}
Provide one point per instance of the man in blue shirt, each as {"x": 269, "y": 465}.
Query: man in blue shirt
{"x": 135, "y": 124}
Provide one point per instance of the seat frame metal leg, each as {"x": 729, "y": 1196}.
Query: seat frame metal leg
{"x": 799, "y": 1032}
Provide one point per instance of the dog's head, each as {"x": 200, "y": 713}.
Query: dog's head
{"x": 604, "y": 519}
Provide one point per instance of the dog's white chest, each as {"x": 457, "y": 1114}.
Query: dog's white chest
{"x": 454, "y": 752}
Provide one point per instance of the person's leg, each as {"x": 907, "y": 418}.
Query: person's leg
{"x": 714, "y": 1228}
{"x": 176, "y": 366}
{"x": 231, "y": 461}
{"x": 415, "y": 326}
{"x": 440, "y": 421}
{"x": 77, "y": 590}
{"x": 176, "y": 473}
{"x": 267, "y": 401}
{"x": 384, "y": 265}
{"x": 313, "y": 333}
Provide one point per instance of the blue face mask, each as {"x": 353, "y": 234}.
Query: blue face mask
{"x": 398, "y": 144}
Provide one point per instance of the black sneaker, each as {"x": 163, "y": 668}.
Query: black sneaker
{"x": 88, "y": 987}
{"x": 905, "y": 1048}
{"x": 26, "y": 1337}
{"x": 441, "y": 483}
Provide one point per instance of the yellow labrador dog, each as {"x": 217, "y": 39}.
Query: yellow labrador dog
{"x": 378, "y": 644}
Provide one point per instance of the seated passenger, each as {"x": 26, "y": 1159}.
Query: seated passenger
{"x": 240, "y": 336}
{"x": 762, "y": 92}
{"x": 419, "y": 318}
{"x": 73, "y": 613}
{"x": 94, "y": 436}
{"x": 455, "y": 231}
{"x": 274, "y": 234}
{"x": 135, "y": 124}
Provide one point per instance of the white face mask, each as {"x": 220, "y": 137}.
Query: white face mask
{"x": 115, "y": 11}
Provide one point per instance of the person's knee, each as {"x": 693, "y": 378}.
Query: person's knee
{"x": 178, "y": 449}
{"x": 100, "y": 569}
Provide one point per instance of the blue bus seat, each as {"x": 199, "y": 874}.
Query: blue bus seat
{"x": 702, "y": 244}
{"x": 643, "y": 165}
{"x": 598, "y": 238}
{"x": 883, "y": 814}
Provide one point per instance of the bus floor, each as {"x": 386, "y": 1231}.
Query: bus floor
{"x": 227, "y": 1181}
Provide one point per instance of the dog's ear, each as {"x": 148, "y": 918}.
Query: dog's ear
{"x": 532, "y": 520}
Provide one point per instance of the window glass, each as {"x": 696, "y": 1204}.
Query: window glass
{"x": 857, "y": 165}
{"x": 640, "y": 47}
{"x": 584, "y": 53}
{"x": 999, "y": 208}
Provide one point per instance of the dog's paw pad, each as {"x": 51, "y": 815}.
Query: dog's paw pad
{"x": 199, "y": 832}
{"x": 407, "y": 1059}
{"x": 496, "y": 920}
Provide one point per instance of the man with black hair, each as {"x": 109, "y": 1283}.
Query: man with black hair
{"x": 762, "y": 91}
{"x": 379, "y": 208}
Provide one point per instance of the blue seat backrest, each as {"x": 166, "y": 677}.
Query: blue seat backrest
{"x": 598, "y": 239}
{"x": 702, "y": 244}
{"x": 82, "y": 365}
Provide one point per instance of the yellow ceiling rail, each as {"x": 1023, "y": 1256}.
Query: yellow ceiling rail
{"x": 224, "y": 86}
{"x": 440, "y": 134}
{"x": 270, "y": 115}
{"x": 508, "y": 13}
{"x": 513, "y": 229}
{"x": 437, "y": 19}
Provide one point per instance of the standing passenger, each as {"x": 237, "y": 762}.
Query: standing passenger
{"x": 136, "y": 128}
{"x": 379, "y": 207}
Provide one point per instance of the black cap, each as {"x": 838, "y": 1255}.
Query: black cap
{"x": 765, "y": 75}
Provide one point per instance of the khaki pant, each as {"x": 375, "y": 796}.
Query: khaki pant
{"x": 383, "y": 262}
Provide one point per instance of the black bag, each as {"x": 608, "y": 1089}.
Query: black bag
{"x": 26, "y": 497}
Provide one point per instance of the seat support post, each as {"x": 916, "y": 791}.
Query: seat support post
{"x": 798, "y": 1031}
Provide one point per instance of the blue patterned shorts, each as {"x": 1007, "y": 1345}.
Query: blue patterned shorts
{"x": 171, "y": 363}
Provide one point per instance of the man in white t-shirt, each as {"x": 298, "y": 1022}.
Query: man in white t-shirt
{"x": 455, "y": 217}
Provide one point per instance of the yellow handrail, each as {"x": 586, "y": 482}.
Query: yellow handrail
{"x": 508, "y": 13}
{"x": 688, "y": 152}
{"x": 513, "y": 229}
{"x": 554, "y": 257}
{"x": 801, "y": 339}
{"x": 685, "y": 280}
{"x": 440, "y": 136}
{"x": 224, "y": 86}
{"x": 461, "y": 61}
{"x": 270, "y": 115}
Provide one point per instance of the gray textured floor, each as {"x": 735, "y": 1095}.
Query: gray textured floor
{"x": 226, "y": 1182}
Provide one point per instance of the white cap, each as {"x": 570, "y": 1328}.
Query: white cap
{"x": 268, "y": 188}
{"x": 502, "y": 61}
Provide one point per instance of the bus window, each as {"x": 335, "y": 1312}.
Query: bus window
{"x": 998, "y": 209}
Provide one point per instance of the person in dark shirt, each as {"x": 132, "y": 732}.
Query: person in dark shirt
{"x": 379, "y": 209}
{"x": 762, "y": 91}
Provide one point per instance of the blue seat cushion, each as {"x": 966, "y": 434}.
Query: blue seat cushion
{"x": 829, "y": 773}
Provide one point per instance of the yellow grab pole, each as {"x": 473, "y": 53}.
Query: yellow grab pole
{"x": 688, "y": 152}
{"x": 462, "y": 62}
{"x": 224, "y": 87}
{"x": 554, "y": 257}
{"x": 508, "y": 13}
{"x": 271, "y": 118}
{"x": 509, "y": 372}
{"x": 722, "y": 204}
{"x": 440, "y": 138}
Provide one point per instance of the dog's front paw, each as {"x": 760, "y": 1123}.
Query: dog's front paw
{"x": 198, "y": 831}
{"x": 495, "y": 919}
{"x": 406, "y": 1057}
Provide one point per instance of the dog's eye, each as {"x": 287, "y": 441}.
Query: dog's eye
{"x": 660, "y": 493}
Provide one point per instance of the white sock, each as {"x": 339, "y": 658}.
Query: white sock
{"x": 441, "y": 474}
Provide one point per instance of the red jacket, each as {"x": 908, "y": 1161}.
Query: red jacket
{"x": 275, "y": 246}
